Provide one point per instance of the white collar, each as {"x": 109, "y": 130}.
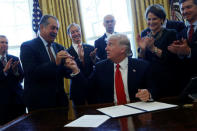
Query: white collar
{"x": 2, "y": 56}
{"x": 76, "y": 45}
{"x": 188, "y": 24}
{"x": 108, "y": 34}
{"x": 43, "y": 40}
{"x": 123, "y": 64}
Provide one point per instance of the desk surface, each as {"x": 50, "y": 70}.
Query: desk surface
{"x": 180, "y": 119}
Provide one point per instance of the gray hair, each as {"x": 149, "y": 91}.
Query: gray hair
{"x": 71, "y": 25}
{"x": 3, "y": 36}
{"x": 44, "y": 20}
{"x": 123, "y": 40}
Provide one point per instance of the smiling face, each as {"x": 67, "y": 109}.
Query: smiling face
{"x": 3, "y": 45}
{"x": 49, "y": 32}
{"x": 75, "y": 34}
{"x": 189, "y": 10}
{"x": 154, "y": 22}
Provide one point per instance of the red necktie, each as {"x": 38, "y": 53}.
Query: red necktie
{"x": 191, "y": 31}
{"x": 124, "y": 124}
{"x": 50, "y": 53}
{"x": 120, "y": 93}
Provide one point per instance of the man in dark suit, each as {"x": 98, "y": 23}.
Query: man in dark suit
{"x": 101, "y": 43}
{"x": 11, "y": 76}
{"x": 84, "y": 56}
{"x": 186, "y": 47}
{"x": 118, "y": 72}
{"x": 44, "y": 69}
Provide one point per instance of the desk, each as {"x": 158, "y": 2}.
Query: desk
{"x": 178, "y": 119}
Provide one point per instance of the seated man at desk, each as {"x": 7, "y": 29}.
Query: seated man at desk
{"x": 119, "y": 78}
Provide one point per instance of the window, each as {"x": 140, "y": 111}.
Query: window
{"x": 93, "y": 12}
{"x": 15, "y": 23}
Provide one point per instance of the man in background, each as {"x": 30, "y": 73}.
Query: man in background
{"x": 11, "y": 77}
{"x": 84, "y": 55}
{"x": 186, "y": 47}
{"x": 109, "y": 23}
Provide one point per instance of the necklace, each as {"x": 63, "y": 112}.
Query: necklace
{"x": 157, "y": 35}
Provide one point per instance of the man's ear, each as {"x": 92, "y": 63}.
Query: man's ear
{"x": 41, "y": 27}
{"x": 123, "y": 49}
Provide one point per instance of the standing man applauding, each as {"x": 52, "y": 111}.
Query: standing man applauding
{"x": 11, "y": 77}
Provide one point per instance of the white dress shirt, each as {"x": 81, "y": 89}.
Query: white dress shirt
{"x": 188, "y": 25}
{"x": 46, "y": 47}
{"x": 108, "y": 35}
{"x": 75, "y": 46}
{"x": 124, "y": 72}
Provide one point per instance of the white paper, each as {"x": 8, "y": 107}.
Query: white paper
{"x": 120, "y": 110}
{"x": 88, "y": 121}
{"x": 151, "y": 106}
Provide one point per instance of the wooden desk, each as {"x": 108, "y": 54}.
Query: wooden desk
{"x": 178, "y": 119}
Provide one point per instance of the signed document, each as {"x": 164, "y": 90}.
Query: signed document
{"x": 88, "y": 121}
{"x": 134, "y": 108}
{"x": 120, "y": 110}
{"x": 151, "y": 106}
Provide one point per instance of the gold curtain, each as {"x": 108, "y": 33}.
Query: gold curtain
{"x": 67, "y": 12}
{"x": 138, "y": 11}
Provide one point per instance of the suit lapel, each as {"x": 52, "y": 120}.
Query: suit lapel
{"x": 111, "y": 73}
{"x": 54, "y": 48}
{"x": 194, "y": 37}
{"x": 73, "y": 52}
{"x": 86, "y": 54}
{"x": 42, "y": 50}
{"x": 131, "y": 76}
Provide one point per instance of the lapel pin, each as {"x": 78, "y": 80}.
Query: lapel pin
{"x": 134, "y": 70}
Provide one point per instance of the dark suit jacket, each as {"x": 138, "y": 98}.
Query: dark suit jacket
{"x": 177, "y": 25}
{"x": 86, "y": 69}
{"x": 44, "y": 86}
{"x": 165, "y": 71}
{"x": 101, "y": 44}
{"x": 11, "y": 93}
{"x": 189, "y": 64}
{"x": 101, "y": 81}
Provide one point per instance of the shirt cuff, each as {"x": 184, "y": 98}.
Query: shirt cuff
{"x": 190, "y": 54}
{"x": 74, "y": 74}
{"x": 5, "y": 73}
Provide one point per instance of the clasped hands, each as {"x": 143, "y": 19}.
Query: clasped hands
{"x": 12, "y": 65}
{"x": 81, "y": 54}
{"x": 68, "y": 61}
{"x": 180, "y": 47}
{"x": 143, "y": 94}
{"x": 146, "y": 43}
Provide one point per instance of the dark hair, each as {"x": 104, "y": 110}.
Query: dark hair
{"x": 157, "y": 10}
{"x": 71, "y": 25}
{"x": 182, "y": 1}
{"x": 44, "y": 20}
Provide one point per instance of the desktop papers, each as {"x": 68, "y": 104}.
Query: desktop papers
{"x": 88, "y": 121}
{"x": 151, "y": 106}
{"x": 134, "y": 108}
{"x": 121, "y": 110}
